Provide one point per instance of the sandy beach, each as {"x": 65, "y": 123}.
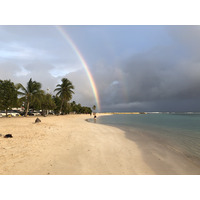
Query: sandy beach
{"x": 69, "y": 145}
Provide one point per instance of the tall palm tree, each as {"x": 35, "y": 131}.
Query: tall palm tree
{"x": 29, "y": 93}
{"x": 94, "y": 107}
{"x": 64, "y": 91}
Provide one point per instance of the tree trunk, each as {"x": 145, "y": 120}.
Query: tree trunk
{"x": 27, "y": 109}
{"x": 6, "y": 113}
{"x": 61, "y": 106}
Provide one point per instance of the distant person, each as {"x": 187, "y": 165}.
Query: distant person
{"x": 95, "y": 118}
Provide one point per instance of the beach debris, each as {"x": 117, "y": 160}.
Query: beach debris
{"x": 1, "y": 135}
{"x": 8, "y": 136}
{"x": 37, "y": 120}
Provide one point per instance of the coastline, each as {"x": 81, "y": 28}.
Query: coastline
{"x": 162, "y": 156}
{"x": 69, "y": 145}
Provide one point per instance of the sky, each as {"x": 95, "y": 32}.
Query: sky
{"x": 134, "y": 68}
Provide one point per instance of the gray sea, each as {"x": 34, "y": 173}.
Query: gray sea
{"x": 180, "y": 131}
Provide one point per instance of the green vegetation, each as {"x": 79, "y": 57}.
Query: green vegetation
{"x": 64, "y": 91}
{"x": 94, "y": 108}
{"x": 77, "y": 108}
{"x": 30, "y": 94}
{"x": 8, "y": 95}
{"x": 34, "y": 98}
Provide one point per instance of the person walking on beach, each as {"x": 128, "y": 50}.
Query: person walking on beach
{"x": 95, "y": 118}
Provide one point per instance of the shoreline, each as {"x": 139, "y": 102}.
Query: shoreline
{"x": 69, "y": 145}
{"x": 159, "y": 155}
{"x": 163, "y": 158}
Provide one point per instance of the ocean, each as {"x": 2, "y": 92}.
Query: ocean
{"x": 181, "y": 132}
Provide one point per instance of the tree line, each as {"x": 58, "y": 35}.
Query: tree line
{"x": 33, "y": 97}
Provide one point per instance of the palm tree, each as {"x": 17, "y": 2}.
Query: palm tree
{"x": 64, "y": 91}
{"x": 30, "y": 93}
{"x": 94, "y": 107}
{"x": 47, "y": 103}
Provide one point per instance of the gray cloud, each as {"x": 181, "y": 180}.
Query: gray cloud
{"x": 166, "y": 78}
{"x": 83, "y": 90}
{"x": 36, "y": 71}
{"x": 8, "y": 69}
{"x": 160, "y": 77}
{"x": 142, "y": 80}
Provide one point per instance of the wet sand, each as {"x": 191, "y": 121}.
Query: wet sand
{"x": 64, "y": 145}
{"x": 162, "y": 157}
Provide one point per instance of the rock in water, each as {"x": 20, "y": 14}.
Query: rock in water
{"x": 37, "y": 120}
{"x": 8, "y": 136}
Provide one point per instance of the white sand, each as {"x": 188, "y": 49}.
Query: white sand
{"x": 67, "y": 145}
{"x": 70, "y": 145}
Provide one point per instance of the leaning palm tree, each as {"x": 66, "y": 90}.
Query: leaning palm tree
{"x": 29, "y": 93}
{"x": 64, "y": 91}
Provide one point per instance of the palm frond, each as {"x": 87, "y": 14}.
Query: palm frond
{"x": 19, "y": 86}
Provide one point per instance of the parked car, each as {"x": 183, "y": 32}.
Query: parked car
{"x": 30, "y": 113}
{"x": 3, "y": 113}
{"x": 13, "y": 113}
{"x": 10, "y": 113}
{"x": 51, "y": 113}
{"x": 33, "y": 113}
{"x": 36, "y": 113}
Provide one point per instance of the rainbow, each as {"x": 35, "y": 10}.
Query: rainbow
{"x": 83, "y": 62}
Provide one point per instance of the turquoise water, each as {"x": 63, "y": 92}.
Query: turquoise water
{"x": 181, "y": 131}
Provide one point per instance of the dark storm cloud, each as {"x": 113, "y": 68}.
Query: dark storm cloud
{"x": 166, "y": 78}
{"x": 153, "y": 81}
